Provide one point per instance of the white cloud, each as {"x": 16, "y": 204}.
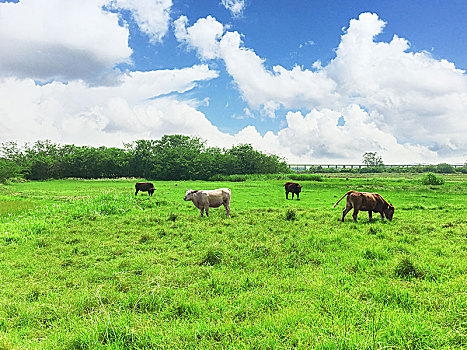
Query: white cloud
{"x": 63, "y": 40}
{"x": 411, "y": 97}
{"x": 259, "y": 87}
{"x": 294, "y": 88}
{"x": 317, "y": 136}
{"x": 203, "y": 36}
{"x": 77, "y": 113}
{"x": 405, "y": 105}
{"x": 152, "y": 16}
{"x": 236, "y": 7}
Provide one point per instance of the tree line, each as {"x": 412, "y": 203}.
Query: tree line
{"x": 173, "y": 157}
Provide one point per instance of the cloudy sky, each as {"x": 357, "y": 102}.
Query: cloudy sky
{"x": 312, "y": 81}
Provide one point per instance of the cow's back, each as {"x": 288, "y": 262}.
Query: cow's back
{"x": 215, "y": 198}
{"x": 144, "y": 186}
{"x": 292, "y": 187}
{"x": 363, "y": 200}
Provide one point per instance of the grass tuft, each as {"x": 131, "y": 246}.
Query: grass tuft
{"x": 172, "y": 217}
{"x": 406, "y": 269}
{"x": 214, "y": 256}
{"x": 145, "y": 238}
{"x": 291, "y": 215}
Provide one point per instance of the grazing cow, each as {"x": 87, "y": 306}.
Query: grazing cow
{"x": 370, "y": 202}
{"x": 144, "y": 187}
{"x": 294, "y": 188}
{"x": 205, "y": 199}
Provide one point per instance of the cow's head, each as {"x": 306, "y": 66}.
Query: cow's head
{"x": 388, "y": 211}
{"x": 299, "y": 188}
{"x": 189, "y": 195}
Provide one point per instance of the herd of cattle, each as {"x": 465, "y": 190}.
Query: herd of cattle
{"x": 359, "y": 201}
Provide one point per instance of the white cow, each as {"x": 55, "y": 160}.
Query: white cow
{"x": 204, "y": 199}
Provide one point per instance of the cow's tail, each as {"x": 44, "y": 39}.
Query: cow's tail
{"x": 341, "y": 199}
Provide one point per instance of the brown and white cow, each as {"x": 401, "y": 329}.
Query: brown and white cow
{"x": 364, "y": 201}
{"x": 144, "y": 187}
{"x": 294, "y": 188}
{"x": 205, "y": 199}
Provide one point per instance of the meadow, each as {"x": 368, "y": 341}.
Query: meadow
{"x": 84, "y": 264}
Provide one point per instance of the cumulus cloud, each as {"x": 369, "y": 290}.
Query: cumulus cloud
{"x": 203, "y": 36}
{"x": 152, "y": 16}
{"x": 409, "y": 98}
{"x": 235, "y": 7}
{"x": 77, "y": 113}
{"x": 413, "y": 96}
{"x": 259, "y": 87}
{"x": 373, "y": 96}
{"x": 317, "y": 135}
{"x": 62, "y": 40}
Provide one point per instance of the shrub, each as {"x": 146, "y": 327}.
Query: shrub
{"x": 432, "y": 179}
{"x": 445, "y": 168}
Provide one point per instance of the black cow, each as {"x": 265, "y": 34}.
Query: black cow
{"x": 144, "y": 187}
{"x": 293, "y": 187}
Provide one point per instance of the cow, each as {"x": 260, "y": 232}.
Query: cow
{"x": 370, "y": 202}
{"x": 294, "y": 188}
{"x": 205, "y": 199}
{"x": 144, "y": 187}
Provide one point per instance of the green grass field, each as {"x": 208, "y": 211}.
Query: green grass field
{"x": 86, "y": 265}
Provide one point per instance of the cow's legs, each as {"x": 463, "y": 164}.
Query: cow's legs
{"x": 344, "y": 213}
{"x": 382, "y": 215}
{"x": 136, "y": 192}
{"x": 227, "y": 209}
{"x": 292, "y": 194}
{"x": 207, "y": 211}
{"x": 202, "y": 212}
{"x": 286, "y": 195}
{"x": 298, "y": 196}
{"x": 354, "y": 214}
{"x": 370, "y": 215}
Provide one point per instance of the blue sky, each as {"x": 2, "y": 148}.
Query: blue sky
{"x": 312, "y": 81}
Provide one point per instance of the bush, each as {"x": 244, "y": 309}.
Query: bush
{"x": 432, "y": 179}
{"x": 445, "y": 168}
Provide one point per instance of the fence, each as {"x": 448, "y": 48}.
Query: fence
{"x": 304, "y": 167}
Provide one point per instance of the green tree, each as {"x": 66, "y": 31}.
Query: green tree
{"x": 445, "y": 168}
{"x": 8, "y": 169}
{"x": 372, "y": 159}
